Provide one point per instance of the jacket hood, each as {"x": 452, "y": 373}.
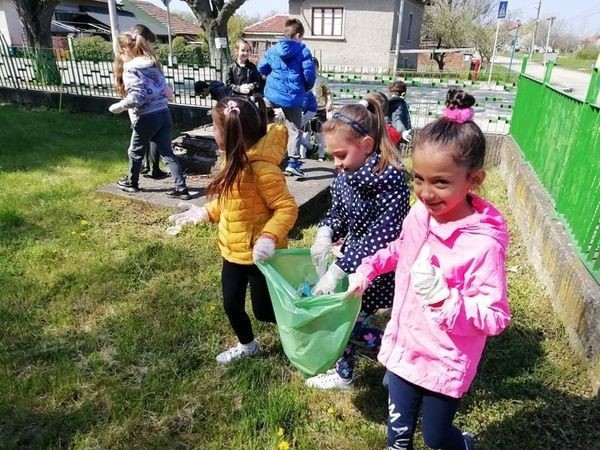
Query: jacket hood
{"x": 288, "y": 48}
{"x": 272, "y": 147}
{"x": 139, "y": 62}
{"x": 486, "y": 220}
{"x": 365, "y": 179}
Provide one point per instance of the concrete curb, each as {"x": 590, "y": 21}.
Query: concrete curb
{"x": 574, "y": 292}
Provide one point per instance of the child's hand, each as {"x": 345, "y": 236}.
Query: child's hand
{"x": 264, "y": 247}
{"x": 428, "y": 280}
{"x": 246, "y": 88}
{"x": 117, "y": 108}
{"x": 357, "y": 283}
{"x": 193, "y": 216}
{"x": 328, "y": 282}
{"x": 321, "y": 249}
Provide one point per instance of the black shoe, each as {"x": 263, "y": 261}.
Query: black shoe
{"x": 181, "y": 194}
{"x": 145, "y": 170}
{"x": 160, "y": 175}
{"x": 126, "y": 185}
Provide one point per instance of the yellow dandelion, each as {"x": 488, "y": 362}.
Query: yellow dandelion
{"x": 331, "y": 410}
{"x": 84, "y": 222}
{"x": 283, "y": 445}
{"x": 72, "y": 231}
{"x": 280, "y": 430}
{"x": 212, "y": 308}
{"x": 83, "y": 234}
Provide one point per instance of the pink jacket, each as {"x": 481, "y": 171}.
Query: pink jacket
{"x": 439, "y": 348}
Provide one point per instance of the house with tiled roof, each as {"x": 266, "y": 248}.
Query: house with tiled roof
{"x": 350, "y": 32}
{"x": 261, "y": 35}
{"x": 91, "y": 17}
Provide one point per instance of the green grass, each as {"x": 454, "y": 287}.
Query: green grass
{"x": 109, "y": 328}
{"x": 568, "y": 61}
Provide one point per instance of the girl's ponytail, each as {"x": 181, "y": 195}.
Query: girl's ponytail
{"x": 241, "y": 123}
{"x": 389, "y": 154}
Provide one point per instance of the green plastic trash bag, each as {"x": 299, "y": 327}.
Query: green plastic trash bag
{"x": 313, "y": 330}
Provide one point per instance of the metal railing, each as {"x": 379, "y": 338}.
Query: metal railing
{"x": 426, "y": 90}
{"x": 559, "y": 136}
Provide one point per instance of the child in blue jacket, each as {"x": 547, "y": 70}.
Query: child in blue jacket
{"x": 290, "y": 73}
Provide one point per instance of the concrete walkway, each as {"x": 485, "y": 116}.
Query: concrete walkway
{"x": 571, "y": 81}
{"x": 311, "y": 193}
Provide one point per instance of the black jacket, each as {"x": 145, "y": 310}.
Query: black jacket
{"x": 238, "y": 75}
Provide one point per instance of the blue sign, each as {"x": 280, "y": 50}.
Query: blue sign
{"x": 502, "y": 10}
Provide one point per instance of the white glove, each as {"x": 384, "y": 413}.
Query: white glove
{"x": 321, "y": 249}
{"x": 358, "y": 283}
{"x": 192, "y": 216}
{"x": 407, "y": 135}
{"x": 328, "y": 282}
{"x": 117, "y": 108}
{"x": 264, "y": 247}
{"x": 246, "y": 88}
{"x": 428, "y": 281}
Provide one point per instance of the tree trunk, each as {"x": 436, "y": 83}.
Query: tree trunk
{"x": 439, "y": 59}
{"x": 213, "y": 16}
{"x": 36, "y": 17}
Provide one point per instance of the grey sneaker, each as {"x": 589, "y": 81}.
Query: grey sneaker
{"x": 237, "y": 352}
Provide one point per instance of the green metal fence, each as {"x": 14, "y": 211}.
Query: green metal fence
{"x": 559, "y": 137}
{"x": 18, "y": 69}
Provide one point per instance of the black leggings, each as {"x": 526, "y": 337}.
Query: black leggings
{"x": 234, "y": 280}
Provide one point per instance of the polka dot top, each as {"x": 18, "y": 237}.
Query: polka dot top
{"x": 367, "y": 209}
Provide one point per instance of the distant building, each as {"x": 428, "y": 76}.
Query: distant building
{"x": 91, "y": 17}
{"x": 350, "y": 33}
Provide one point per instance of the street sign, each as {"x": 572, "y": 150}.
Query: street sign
{"x": 502, "y": 10}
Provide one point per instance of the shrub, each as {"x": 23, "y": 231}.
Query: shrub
{"x": 587, "y": 53}
{"x": 93, "y": 48}
{"x": 185, "y": 53}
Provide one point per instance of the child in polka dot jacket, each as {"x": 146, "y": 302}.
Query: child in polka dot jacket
{"x": 370, "y": 199}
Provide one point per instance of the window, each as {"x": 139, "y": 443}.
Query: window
{"x": 409, "y": 28}
{"x": 327, "y": 21}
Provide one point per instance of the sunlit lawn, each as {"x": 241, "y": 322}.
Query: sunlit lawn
{"x": 109, "y": 328}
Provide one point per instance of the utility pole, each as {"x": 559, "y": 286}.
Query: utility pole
{"x": 398, "y": 35}
{"x": 551, "y": 19}
{"x": 170, "y": 58}
{"x": 537, "y": 19}
{"x": 512, "y": 53}
{"x": 114, "y": 25}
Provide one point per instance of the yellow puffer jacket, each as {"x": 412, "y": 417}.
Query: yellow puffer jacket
{"x": 261, "y": 205}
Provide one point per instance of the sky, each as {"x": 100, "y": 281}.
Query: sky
{"x": 580, "y": 17}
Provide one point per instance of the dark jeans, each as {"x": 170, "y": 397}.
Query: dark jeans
{"x": 234, "y": 280}
{"x": 153, "y": 128}
{"x": 151, "y": 159}
{"x": 405, "y": 400}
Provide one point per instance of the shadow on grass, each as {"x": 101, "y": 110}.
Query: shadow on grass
{"x": 513, "y": 401}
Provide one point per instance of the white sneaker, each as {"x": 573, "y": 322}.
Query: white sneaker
{"x": 329, "y": 380}
{"x": 237, "y": 352}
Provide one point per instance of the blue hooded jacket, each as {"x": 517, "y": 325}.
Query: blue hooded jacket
{"x": 290, "y": 72}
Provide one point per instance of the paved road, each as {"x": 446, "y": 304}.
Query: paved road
{"x": 571, "y": 81}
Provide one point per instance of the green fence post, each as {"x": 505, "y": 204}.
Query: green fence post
{"x": 524, "y": 64}
{"x": 594, "y": 87}
{"x": 548, "y": 73}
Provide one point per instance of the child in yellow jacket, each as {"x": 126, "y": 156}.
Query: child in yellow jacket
{"x": 254, "y": 209}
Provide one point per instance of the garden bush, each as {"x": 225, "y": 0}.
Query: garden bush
{"x": 93, "y": 48}
{"x": 587, "y": 53}
{"x": 184, "y": 52}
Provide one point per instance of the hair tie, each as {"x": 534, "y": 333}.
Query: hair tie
{"x": 458, "y": 115}
{"x": 364, "y": 103}
{"x": 231, "y": 106}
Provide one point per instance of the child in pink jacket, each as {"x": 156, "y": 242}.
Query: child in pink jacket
{"x": 450, "y": 292}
